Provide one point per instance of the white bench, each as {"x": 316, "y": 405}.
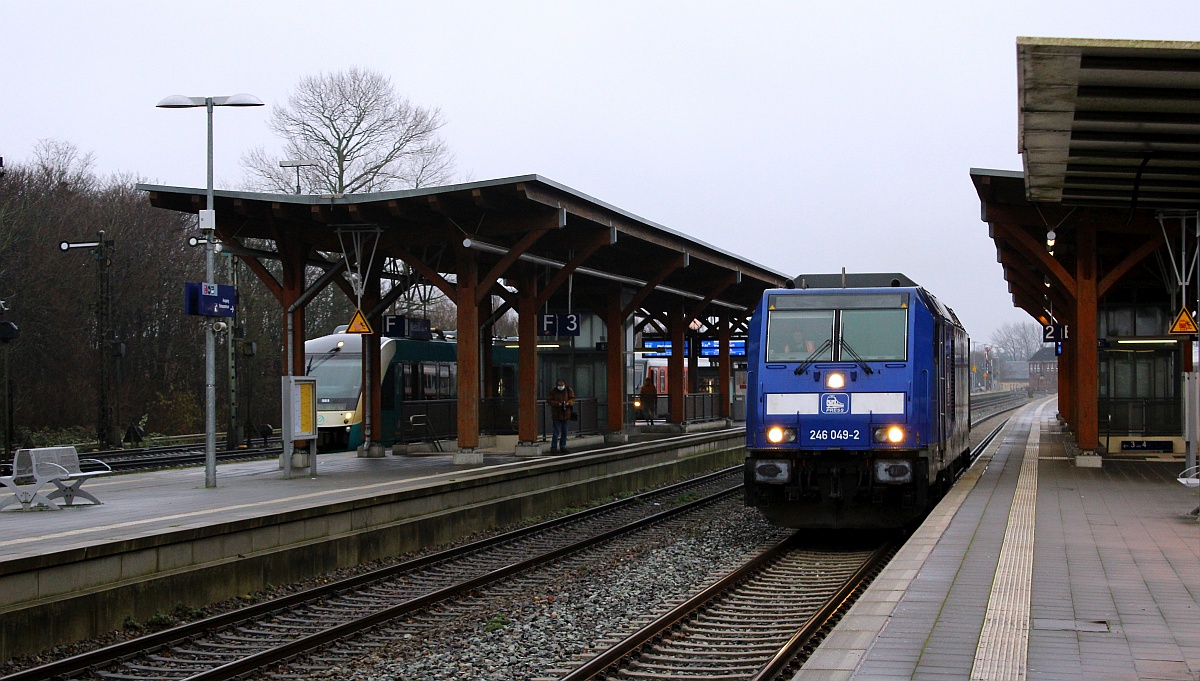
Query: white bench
{"x": 33, "y": 469}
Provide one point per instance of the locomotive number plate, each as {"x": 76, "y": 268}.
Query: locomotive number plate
{"x": 832, "y": 437}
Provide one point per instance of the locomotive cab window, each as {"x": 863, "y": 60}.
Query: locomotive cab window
{"x": 869, "y": 327}
{"x": 875, "y": 335}
{"x": 797, "y": 335}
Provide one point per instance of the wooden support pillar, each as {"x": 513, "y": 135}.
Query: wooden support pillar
{"x": 292, "y": 257}
{"x": 675, "y": 363}
{"x": 372, "y": 384}
{"x": 725, "y": 367}
{"x": 693, "y": 363}
{"x": 468, "y": 350}
{"x": 614, "y": 323}
{"x": 527, "y": 358}
{"x": 1066, "y": 384}
{"x": 1087, "y": 365}
{"x": 488, "y": 370}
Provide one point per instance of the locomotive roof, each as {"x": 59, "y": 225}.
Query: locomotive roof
{"x": 852, "y": 280}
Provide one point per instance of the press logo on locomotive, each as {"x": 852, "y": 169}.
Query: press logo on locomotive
{"x": 835, "y": 403}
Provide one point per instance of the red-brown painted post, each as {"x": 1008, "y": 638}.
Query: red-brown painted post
{"x": 675, "y": 364}
{"x": 614, "y": 323}
{"x": 527, "y": 358}
{"x": 468, "y": 350}
{"x": 1087, "y": 357}
{"x": 724, "y": 368}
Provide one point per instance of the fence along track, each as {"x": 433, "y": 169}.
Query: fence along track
{"x": 749, "y": 624}
{"x": 240, "y": 642}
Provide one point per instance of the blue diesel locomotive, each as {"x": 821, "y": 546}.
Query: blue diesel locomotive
{"x": 858, "y": 402}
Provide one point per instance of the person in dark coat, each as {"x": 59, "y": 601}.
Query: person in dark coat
{"x": 649, "y": 397}
{"x": 561, "y": 400}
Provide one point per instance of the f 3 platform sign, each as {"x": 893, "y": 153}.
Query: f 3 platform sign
{"x": 566, "y": 324}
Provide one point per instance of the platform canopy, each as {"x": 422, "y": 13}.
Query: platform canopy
{"x": 529, "y": 218}
{"x": 1110, "y": 122}
{"x": 1110, "y": 141}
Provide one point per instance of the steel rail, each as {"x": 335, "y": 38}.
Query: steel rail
{"x": 840, "y": 600}
{"x": 243, "y": 666}
{"x": 69, "y": 667}
{"x": 656, "y": 629}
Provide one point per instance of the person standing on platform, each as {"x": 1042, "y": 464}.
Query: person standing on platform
{"x": 649, "y": 397}
{"x": 561, "y": 400}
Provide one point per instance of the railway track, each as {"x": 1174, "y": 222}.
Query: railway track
{"x": 751, "y": 624}
{"x": 173, "y": 456}
{"x": 299, "y": 629}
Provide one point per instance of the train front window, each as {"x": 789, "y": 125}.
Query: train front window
{"x": 799, "y": 335}
{"x": 875, "y": 335}
{"x": 339, "y": 382}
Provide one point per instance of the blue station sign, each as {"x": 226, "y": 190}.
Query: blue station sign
{"x": 209, "y": 300}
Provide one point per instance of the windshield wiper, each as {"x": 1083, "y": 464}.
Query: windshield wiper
{"x": 325, "y": 358}
{"x": 857, "y": 358}
{"x": 808, "y": 361}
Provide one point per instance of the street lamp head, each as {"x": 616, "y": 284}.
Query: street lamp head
{"x": 240, "y": 99}
{"x": 184, "y": 102}
{"x": 180, "y": 102}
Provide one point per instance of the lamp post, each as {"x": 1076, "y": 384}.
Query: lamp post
{"x": 208, "y": 224}
{"x": 297, "y": 164}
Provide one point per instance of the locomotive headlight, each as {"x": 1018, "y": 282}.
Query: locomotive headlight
{"x": 835, "y": 380}
{"x": 893, "y": 470}
{"x": 890, "y": 434}
{"x": 347, "y": 416}
{"x": 772, "y": 470}
{"x": 779, "y": 435}
{"x": 637, "y": 403}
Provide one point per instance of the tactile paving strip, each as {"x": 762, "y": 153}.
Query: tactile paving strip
{"x": 1004, "y": 642}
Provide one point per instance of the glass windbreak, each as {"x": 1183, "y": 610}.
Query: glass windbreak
{"x": 338, "y": 382}
{"x": 874, "y": 335}
{"x": 795, "y": 335}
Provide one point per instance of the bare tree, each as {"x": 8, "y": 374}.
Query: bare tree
{"x": 359, "y": 132}
{"x": 1018, "y": 340}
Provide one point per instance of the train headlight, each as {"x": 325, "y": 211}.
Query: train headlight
{"x": 778, "y": 435}
{"x": 347, "y": 416}
{"x": 835, "y": 380}
{"x": 889, "y": 434}
{"x": 772, "y": 470}
{"x": 893, "y": 470}
{"x": 637, "y": 403}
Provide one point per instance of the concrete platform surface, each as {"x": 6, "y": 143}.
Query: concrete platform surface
{"x": 1035, "y": 568}
{"x": 147, "y": 504}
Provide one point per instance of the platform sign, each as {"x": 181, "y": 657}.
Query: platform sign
{"x": 1054, "y": 333}
{"x": 358, "y": 324}
{"x": 560, "y": 324}
{"x": 403, "y": 326}
{"x": 395, "y": 326}
{"x": 209, "y": 300}
{"x": 1184, "y": 325}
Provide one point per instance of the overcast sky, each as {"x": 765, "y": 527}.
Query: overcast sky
{"x": 804, "y": 136}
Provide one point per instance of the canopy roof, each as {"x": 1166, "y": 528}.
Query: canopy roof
{"x": 1110, "y": 122}
{"x": 494, "y": 217}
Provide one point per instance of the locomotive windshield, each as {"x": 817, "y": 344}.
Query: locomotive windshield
{"x": 869, "y": 327}
{"x": 338, "y": 381}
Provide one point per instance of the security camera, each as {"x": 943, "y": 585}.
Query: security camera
{"x": 219, "y": 327}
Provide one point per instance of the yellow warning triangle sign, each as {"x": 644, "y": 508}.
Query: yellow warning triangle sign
{"x": 1184, "y": 324}
{"x": 358, "y": 324}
